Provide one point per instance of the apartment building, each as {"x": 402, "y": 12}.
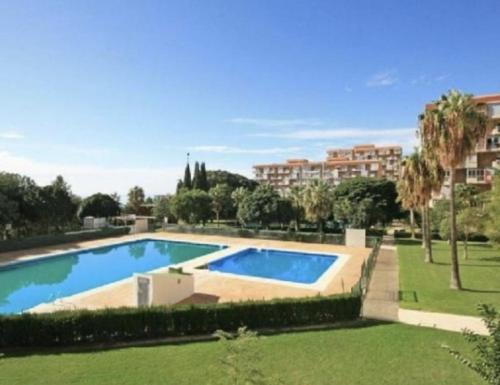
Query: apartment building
{"x": 340, "y": 164}
{"x": 479, "y": 168}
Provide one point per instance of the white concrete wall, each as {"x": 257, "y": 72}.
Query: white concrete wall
{"x": 140, "y": 226}
{"x": 355, "y": 237}
{"x": 166, "y": 288}
{"x": 90, "y": 223}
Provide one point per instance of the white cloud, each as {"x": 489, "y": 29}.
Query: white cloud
{"x": 239, "y": 150}
{"x": 88, "y": 179}
{"x": 427, "y": 80}
{"x": 440, "y": 78}
{"x": 339, "y": 133}
{"x": 344, "y": 137}
{"x": 11, "y": 135}
{"x": 383, "y": 79}
{"x": 264, "y": 122}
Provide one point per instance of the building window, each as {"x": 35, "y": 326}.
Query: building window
{"x": 494, "y": 110}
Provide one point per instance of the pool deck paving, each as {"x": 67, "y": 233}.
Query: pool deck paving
{"x": 209, "y": 288}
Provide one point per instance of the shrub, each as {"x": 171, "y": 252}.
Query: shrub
{"x": 128, "y": 324}
{"x": 486, "y": 362}
{"x": 280, "y": 235}
{"x": 54, "y": 239}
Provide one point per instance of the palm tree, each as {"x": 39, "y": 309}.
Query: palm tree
{"x": 406, "y": 195}
{"x": 296, "y": 196}
{"x": 318, "y": 203}
{"x": 450, "y": 130}
{"x": 420, "y": 178}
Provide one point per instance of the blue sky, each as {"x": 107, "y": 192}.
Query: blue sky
{"x": 112, "y": 93}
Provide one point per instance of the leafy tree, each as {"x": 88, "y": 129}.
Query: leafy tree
{"x": 364, "y": 202}
{"x": 192, "y": 206}
{"x": 23, "y": 193}
{"x": 440, "y": 211}
{"x": 203, "y": 184}
{"x": 187, "y": 182}
{"x": 487, "y": 348}
{"x": 59, "y": 206}
{"x": 99, "y": 206}
{"x": 493, "y": 210}
{"x": 196, "y": 176}
{"x": 467, "y": 196}
{"x": 469, "y": 221}
{"x": 318, "y": 202}
{"x": 163, "y": 208}
{"x": 259, "y": 206}
{"x": 9, "y": 213}
{"x": 221, "y": 199}
{"x": 136, "y": 200}
{"x": 284, "y": 212}
{"x": 238, "y": 196}
{"x": 450, "y": 130}
{"x": 233, "y": 180}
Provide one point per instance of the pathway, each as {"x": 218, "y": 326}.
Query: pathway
{"x": 451, "y": 322}
{"x": 382, "y": 299}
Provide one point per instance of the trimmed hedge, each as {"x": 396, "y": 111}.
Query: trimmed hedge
{"x": 277, "y": 235}
{"x": 54, "y": 239}
{"x": 128, "y": 324}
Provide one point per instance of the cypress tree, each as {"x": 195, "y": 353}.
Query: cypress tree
{"x": 203, "y": 184}
{"x": 196, "y": 176}
{"x": 187, "y": 178}
{"x": 180, "y": 185}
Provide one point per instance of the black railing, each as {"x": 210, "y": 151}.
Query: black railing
{"x": 361, "y": 287}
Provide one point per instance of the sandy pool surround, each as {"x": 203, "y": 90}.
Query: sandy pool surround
{"x": 191, "y": 266}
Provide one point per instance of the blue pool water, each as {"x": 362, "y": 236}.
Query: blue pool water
{"x": 27, "y": 284}
{"x": 275, "y": 264}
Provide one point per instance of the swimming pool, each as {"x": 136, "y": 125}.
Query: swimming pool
{"x": 291, "y": 266}
{"x": 24, "y": 285}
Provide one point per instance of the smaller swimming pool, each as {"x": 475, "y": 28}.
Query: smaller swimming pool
{"x": 282, "y": 265}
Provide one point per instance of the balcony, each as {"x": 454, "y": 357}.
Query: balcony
{"x": 479, "y": 176}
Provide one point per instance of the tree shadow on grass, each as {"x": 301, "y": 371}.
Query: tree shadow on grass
{"x": 408, "y": 242}
{"x": 439, "y": 263}
{"x": 490, "y": 259}
{"x": 481, "y": 291}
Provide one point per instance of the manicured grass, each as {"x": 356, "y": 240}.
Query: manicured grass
{"x": 428, "y": 284}
{"x": 382, "y": 354}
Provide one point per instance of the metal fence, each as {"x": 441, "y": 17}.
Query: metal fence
{"x": 361, "y": 286}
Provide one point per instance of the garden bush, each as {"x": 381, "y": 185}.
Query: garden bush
{"x": 128, "y": 324}
{"x": 54, "y": 239}
{"x": 279, "y": 235}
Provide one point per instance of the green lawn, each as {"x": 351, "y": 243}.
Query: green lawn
{"x": 382, "y": 354}
{"x": 426, "y": 286}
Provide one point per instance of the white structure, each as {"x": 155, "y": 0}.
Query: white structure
{"x": 355, "y": 237}
{"x": 141, "y": 225}
{"x": 91, "y": 223}
{"x": 162, "y": 288}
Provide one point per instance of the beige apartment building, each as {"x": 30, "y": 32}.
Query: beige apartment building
{"x": 340, "y": 164}
{"x": 479, "y": 167}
